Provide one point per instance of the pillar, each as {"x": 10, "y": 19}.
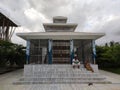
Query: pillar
{"x": 83, "y": 53}
{"x": 94, "y": 51}
{"x": 49, "y": 51}
{"x": 71, "y": 50}
{"x": 28, "y": 52}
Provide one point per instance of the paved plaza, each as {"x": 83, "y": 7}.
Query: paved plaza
{"x": 6, "y": 83}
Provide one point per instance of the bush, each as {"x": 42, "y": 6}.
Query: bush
{"x": 11, "y": 54}
{"x": 108, "y": 55}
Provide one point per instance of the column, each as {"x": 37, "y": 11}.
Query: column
{"x": 50, "y": 51}
{"x": 93, "y": 51}
{"x": 71, "y": 51}
{"x": 28, "y": 52}
{"x": 83, "y": 53}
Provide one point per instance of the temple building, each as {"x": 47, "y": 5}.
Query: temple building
{"x": 59, "y": 43}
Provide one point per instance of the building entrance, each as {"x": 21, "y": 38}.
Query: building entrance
{"x": 61, "y": 52}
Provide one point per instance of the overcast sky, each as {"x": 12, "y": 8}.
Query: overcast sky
{"x": 91, "y": 15}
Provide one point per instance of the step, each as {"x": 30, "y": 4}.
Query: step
{"x": 56, "y": 73}
{"x": 60, "y": 81}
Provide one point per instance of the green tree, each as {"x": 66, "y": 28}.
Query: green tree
{"x": 108, "y": 56}
{"x": 11, "y": 54}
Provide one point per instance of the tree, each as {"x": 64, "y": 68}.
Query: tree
{"x": 108, "y": 56}
{"x": 20, "y": 55}
{"x": 11, "y": 54}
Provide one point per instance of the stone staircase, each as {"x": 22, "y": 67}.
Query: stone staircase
{"x": 59, "y": 74}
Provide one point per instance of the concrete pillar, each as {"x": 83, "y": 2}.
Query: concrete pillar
{"x": 94, "y": 51}
{"x": 28, "y": 52}
{"x": 71, "y": 50}
{"x": 50, "y": 51}
{"x": 83, "y": 53}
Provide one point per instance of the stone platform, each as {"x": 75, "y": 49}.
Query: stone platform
{"x": 59, "y": 74}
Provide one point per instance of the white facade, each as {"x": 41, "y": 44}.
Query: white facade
{"x": 57, "y": 33}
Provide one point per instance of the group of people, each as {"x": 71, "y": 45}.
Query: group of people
{"x": 76, "y": 64}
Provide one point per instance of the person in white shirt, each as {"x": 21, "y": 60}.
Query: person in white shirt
{"x": 75, "y": 62}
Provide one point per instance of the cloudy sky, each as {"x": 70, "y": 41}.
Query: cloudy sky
{"x": 91, "y": 15}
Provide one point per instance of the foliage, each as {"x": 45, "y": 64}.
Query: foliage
{"x": 11, "y": 54}
{"x": 108, "y": 55}
{"x": 114, "y": 70}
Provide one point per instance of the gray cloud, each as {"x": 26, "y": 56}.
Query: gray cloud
{"x": 91, "y": 15}
{"x": 112, "y": 30}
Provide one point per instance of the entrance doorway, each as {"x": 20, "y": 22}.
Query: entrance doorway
{"x": 61, "y": 52}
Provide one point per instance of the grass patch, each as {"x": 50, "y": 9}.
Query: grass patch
{"x": 114, "y": 70}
